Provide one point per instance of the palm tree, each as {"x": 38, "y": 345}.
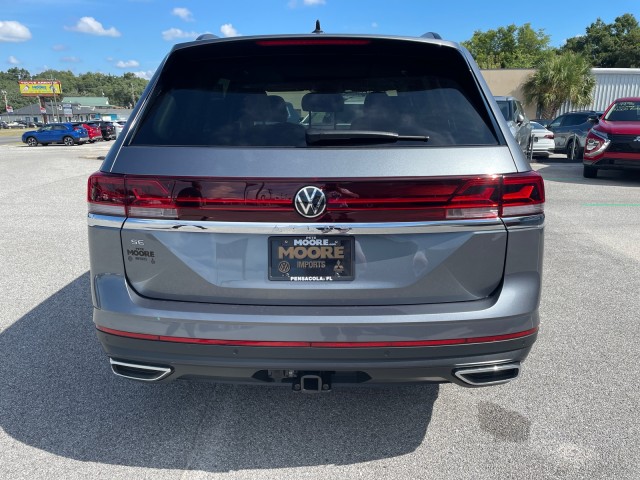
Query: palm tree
{"x": 560, "y": 78}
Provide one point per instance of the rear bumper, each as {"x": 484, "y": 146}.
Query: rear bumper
{"x": 510, "y": 310}
{"x": 282, "y": 365}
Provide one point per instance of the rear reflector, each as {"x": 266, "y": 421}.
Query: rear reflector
{"x": 260, "y": 343}
{"x": 357, "y": 200}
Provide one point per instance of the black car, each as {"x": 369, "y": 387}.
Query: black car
{"x": 108, "y": 129}
{"x": 4, "y": 125}
{"x": 570, "y": 131}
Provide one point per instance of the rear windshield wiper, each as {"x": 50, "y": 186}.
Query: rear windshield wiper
{"x": 317, "y": 136}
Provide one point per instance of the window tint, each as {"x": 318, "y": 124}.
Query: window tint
{"x": 624, "y": 112}
{"x": 504, "y": 108}
{"x": 206, "y": 96}
{"x": 556, "y": 122}
{"x": 574, "y": 119}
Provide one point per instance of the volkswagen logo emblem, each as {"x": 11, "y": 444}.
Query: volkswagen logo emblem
{"x": 310, "y": 202}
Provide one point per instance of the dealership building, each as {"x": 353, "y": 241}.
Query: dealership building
{"x": 611, "y": 83}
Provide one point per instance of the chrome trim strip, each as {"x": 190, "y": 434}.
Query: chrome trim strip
{"x": 523, "y": 223}
{"x": 314, "y": 228}
{"x": 163, "y": 371}
{"x": 96, "y": 220}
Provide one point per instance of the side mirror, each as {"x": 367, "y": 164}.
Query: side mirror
{"x": 520, "y": 119}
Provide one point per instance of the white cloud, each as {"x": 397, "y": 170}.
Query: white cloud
{"x": 228, "y": 30}
{"x": 11, "y": 31}
{"x": 184, "y": 13}
{"x": 70, "y": 60}
{"x": 174, "y": 33}
{"x": 59, "y": 48}
{"x": 146, "y": 75}
{"x": 13, "y": 60}
{"x": 128, "y": 64}
{"x": 306, "y": 3}
{"x": 93, "y": 27}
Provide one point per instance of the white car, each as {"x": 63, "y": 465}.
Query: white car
{"x": 543, "y": 143}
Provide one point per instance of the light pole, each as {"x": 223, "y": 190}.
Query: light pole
{"x": 55, "y": 103}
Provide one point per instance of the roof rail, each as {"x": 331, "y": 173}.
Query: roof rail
{"x": 207, "y": 36}
{"x": 431, "y": 35}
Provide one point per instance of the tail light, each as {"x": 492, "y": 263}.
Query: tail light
{"x": 368, "y": 200}
{"x": 595, "y": 144}
{"x": 550, "y": 136}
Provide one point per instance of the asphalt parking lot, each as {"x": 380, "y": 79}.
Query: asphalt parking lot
{"x": 572, "y": 414}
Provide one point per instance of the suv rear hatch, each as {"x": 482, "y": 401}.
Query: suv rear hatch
{"x": 227, "y": 201}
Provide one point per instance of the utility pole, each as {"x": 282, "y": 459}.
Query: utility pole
{"x": 55, "y": 103}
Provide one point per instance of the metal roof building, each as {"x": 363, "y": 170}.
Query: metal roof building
{"x": 611, "y": 83}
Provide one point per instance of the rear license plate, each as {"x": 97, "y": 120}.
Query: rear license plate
{"x": 311, "y": 258}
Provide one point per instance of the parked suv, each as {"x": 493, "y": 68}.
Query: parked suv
{"x": 570, "y": 131}
{"x": 228, "y": 243}
{"x": 614, "y": 142}
{"x": 518, "y": 122}
{"x": 107, "y": 129}
{"x": 93, "y": 131}
{"x": 65, "y": 133}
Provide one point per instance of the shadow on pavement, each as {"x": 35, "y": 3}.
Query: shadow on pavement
{"x": 572, "y": 173}
{"x": 59, "y": 395}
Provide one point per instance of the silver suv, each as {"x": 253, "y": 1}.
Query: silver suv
{"x": 518, "y": 122}
{"x": 400, "y": 243}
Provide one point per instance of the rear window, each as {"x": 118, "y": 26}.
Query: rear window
{"x": 276, "y": 93}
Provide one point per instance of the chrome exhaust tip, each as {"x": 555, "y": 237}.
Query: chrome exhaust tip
{"x": 488, "y": 374}
{"x": 136, "y": 371}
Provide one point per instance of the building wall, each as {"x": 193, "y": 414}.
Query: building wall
{"x": 509, "y": 82}
{"x": 611, "y": 83}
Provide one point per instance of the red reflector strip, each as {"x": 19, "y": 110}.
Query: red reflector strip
{"x": 259, "y": 343}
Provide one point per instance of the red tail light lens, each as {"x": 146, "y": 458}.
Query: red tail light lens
{"x": 522, "y": 194}
{"x": 106, "y": 194}
{"x": 361, "y": 200}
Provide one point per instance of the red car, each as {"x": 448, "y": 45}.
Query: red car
{"x": 95, "y": 134}
{"x": 614, "y": 142}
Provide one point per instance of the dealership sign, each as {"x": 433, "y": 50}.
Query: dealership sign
{"x": 42, "y": 88}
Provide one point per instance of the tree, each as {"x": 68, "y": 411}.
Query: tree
{"x": 610, "y": 45}
{"x": 560, "y": 78}
{"x": 121, "y": 91}
{"x": 508, "y": 47}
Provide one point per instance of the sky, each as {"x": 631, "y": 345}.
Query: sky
{"x": 118, "y": 36}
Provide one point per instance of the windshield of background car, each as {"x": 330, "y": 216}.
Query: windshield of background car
{"x": 627, "y": 111}
{"x": 237, "y": 93}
